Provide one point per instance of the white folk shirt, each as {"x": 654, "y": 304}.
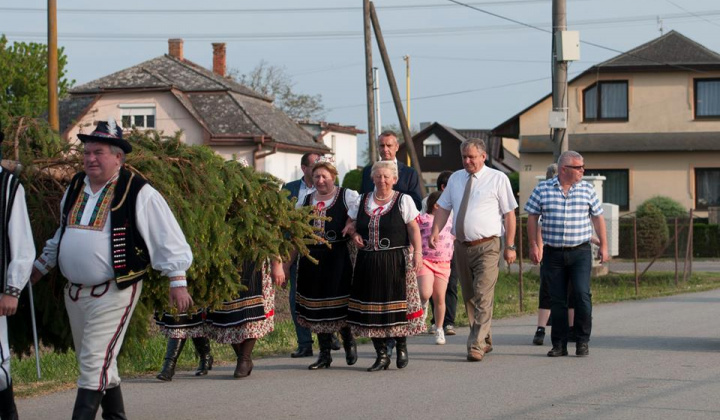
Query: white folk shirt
{"x": 85, "y": 251}
{"x": 407, "y": 208}
{"x": 490, "y": 198}
{"x": 22, "y": 248}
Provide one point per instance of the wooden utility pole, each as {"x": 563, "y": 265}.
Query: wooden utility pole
{"x": 559, "y": 78}
{"x": 407, "y": 95}
{"x": 372, "y": 135}
{"x": 396, "y": 95}
{"x": 53, "y": 116}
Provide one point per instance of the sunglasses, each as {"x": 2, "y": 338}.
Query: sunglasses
{"x": 577, "y": 168}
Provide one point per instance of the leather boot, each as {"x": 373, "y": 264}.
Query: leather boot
{"x": 112, "y": 405}
{"x": 402, "y": 352}
{"x": 350, "y": 346}
{"x": 174, "y": 348}
{"x": 87, "y": 403}
{"x": 244, "y": 358}
{"x": 8, "y": 411}
{"x": 202, "y": 346}
{"x": 325, "y": 342}
{"x": 382, "y": 361}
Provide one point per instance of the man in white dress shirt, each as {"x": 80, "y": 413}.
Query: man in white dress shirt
{"x": 114, "y": 226}
{"x": 483, "y": 204}
{"x": 17, "y": 252}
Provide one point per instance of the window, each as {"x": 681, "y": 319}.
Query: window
{"x": 616, "y": 187}
{"x": 431, "y": 148}
{"x": 707, "y": 98}
{"x": 138, "y": 115}
{"x": 707, "y": 188}
{"x": 606, "y": 101}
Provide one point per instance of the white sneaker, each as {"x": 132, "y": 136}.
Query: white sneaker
{"x": 433, "y": 329}
{"x": 439, "y": 336}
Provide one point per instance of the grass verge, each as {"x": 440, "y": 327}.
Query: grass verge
{"x": 59, "y": 370}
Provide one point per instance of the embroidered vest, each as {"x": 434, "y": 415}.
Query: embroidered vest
{"x": 8, "y": 187}
{"x": 130, "y": 256}
{"x": 331, "y": 229}
{"x": 384, "y": 229}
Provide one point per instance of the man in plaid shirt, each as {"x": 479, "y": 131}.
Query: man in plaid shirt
{"x": 570, "y": 209}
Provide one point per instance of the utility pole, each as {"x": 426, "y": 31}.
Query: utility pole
{"x": 559, "y": 78}
{"x": 53, "y": 116}
{"x": 372, "y": 135}
{"x": 407, "y": 96}
{"x": 396, "y": 95}
{"x": 376, "y": 86}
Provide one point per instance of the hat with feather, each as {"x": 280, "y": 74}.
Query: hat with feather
{"x": 107, "y": 132}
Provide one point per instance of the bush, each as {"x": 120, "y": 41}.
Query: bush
{"x": 668, "y": 207}
{"x": 652, "y": 231}
{"x": 515, "y": 182}
{"x": 353, "y": 179}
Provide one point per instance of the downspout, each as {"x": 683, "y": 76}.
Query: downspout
{"x": 259, "y": 154}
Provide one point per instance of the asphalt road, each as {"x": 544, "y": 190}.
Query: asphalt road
{"x": 656, "y": 359}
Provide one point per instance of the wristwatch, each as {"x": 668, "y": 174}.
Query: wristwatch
{"x": 511, "y": 247}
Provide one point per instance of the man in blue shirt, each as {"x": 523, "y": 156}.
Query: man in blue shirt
{"x": 570, "y": 209}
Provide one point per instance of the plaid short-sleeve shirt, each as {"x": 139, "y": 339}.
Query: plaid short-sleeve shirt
{"x": 565, "y": 218}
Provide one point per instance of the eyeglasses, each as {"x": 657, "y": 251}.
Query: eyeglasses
{"x": 577, "y": 168}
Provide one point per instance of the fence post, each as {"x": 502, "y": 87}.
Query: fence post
{"x": 520, "y": 260}
{"x": 635, "y": 256}
{"x": 676, "y": 252}
{"x": 691, "y": 234}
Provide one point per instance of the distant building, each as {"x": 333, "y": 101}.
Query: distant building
{"x": 170, "y": 93}
{"x": 438, "y": 149}
{"x": 341, "y": 139}
{"x": 648, "y": 120}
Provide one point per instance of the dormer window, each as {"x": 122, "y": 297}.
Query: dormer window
{"x": 141, "y": 116}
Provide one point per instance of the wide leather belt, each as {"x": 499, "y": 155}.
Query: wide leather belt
{"x": 567, "y": 248}
{"x": 479, "y": 241}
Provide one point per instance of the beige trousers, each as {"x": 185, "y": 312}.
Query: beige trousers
{"x": 99, "y": 318}
{"x": 478, "y": 269}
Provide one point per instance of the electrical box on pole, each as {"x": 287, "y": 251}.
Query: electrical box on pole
{"x": 558, "y": 119}
{"x": 567, "y": 45}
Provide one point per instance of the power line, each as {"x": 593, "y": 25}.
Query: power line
{"x": 697, "y": 16}
{"x": 265, "y": 10}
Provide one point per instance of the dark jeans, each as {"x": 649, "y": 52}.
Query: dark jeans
{"x": 565, "y": 266}
{"x": 450, "y": 298}
{"x": 304, "y": 335}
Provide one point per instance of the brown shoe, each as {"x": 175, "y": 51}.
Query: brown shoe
{"x": 475, "y": 355}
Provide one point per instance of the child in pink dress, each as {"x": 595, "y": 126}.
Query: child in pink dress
{"x": 435, "y": 272}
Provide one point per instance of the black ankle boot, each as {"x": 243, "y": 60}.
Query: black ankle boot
{"x": 87, "y": 403}
{"x": 113, "y": 407}
{"x": 382, "y": 362}
{"x": 174, "y": 348}
{"x": 202, "y": 346}
{"x": 350, "y": 346}
{"x": 8, "y": 411}
{"x": 325, "y": 342}
{"x": 402, "y": 352}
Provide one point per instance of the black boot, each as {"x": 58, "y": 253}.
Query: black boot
{"x": 325, "y": 342}
{"x": 87, "y": 403}
{"x": 350, "y": 346}
{"x": 8, "y": 411}
{"x": 174, "y": 348}
{"x": 402, "y": 352}
{"x": 112, "y": 405}
{"x": 244, "y": 358}
{"x": 202, "y": 346}
{"x": 383, "y": 361}
{"x": 335, "y": 342}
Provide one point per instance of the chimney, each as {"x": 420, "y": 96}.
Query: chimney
{"x": 175, "y": 48}
{"x": 219, "y": 58}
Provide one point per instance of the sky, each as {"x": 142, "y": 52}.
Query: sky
{"x": 470, "y": 67}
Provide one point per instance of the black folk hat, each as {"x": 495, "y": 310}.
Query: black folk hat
{"x": 107, "y": 132}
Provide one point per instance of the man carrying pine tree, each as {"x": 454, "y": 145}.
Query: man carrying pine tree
{"x": 113, "y": 227}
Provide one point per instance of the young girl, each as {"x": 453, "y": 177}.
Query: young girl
{"x": 435, "y": 272}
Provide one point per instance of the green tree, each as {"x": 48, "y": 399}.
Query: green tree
{"x": 652, "y": 231}
{"x": 23, "y": 78}
{"x": 667, "y": 206}
{"x": 353, "y": 179}
{"x": 273, "y": 81}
